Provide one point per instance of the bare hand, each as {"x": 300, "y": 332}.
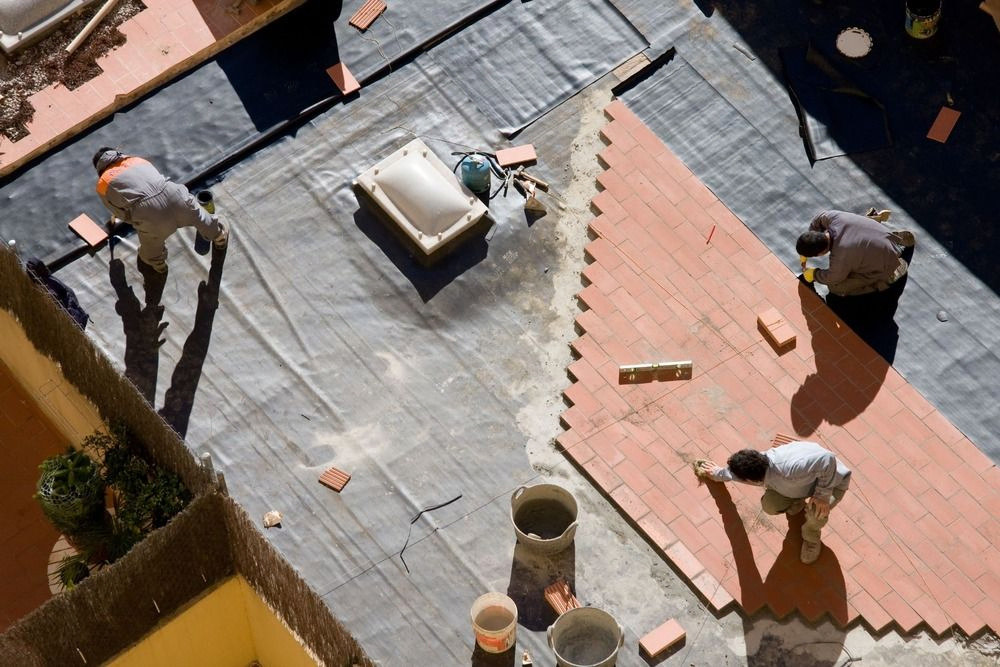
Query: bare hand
{"x": 819, "y": 508}
{"x": 705, "y": 468}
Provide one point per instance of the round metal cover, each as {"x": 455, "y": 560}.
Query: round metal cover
{"x": 854, "y": 42}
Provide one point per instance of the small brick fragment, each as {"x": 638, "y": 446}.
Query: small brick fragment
{"x": 776, "y": 329}
{"x": 659, "y": 640}
{"x": 509, "y": 157}
{"x": 560, "y": 597}
{"x": 335, "y": 479}
{"x": 343, "y": 78}
{"x": 88, "y": 230}
{"x": 943, "y": 124}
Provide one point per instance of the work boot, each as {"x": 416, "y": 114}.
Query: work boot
{"x": 904, "y": 238}
{"x": 222, "y": 240}
{"x": 810, "y": 551}
{"x": 796, "y": 507}
{"x": 880, "y": 215}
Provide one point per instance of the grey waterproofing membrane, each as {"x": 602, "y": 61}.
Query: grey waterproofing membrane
{"x": 531, "y": 55}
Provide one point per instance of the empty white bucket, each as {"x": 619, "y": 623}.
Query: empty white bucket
{"x": 544, "y": 517}
{"x": 586, "y": 637}
{"x": 494, "y": 620}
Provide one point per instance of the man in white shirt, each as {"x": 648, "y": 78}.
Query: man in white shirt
{"x": 796, "y": 476}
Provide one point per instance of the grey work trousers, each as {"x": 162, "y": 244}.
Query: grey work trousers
{"x": 156, "y": 218}
{"x": 773, "y": 502}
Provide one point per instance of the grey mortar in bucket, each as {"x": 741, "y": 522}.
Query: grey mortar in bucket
{"x": 586, "y": 637}
{"x": 544, "y": 517}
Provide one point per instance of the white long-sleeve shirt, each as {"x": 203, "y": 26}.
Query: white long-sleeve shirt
{"x": 799, "y": 470}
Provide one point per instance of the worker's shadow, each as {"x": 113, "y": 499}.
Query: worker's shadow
{"x": 142, "y": 325}
{"x": 873, "y": 316}
{"x": 814, "y": 590}
{"x": 179, "y": 397}
{"x": 848, "y": 372}
{"x": 143, "y": 337}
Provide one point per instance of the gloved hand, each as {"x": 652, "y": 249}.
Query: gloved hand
{"x": 802, "y": 261}
{"x": 809, "y": 274}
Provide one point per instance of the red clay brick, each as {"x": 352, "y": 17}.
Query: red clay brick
{"x": 343, "y": 78}
{"x": 335, "y": 479}
{"x": 629, "y": 502}
{"x": 613, "y": 157}
{"x": 616, "y": 133}
{"x": 560, "y": 597}
{"x": 602, "y": 474}
{"x": 902, "y": 613}
{"x": 662, "y": 638}
{"x": 684, "y": 560}
{"x": 874, "y": 615}
{"x": 656, "y": 530}
{"x": 934, "y": 616}
{"x": 516, "y": 155}
{"x": 962, "y": 615}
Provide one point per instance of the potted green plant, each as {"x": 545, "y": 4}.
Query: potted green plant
{"x": 71, "y": 492}
{"x": 74, "y": 490}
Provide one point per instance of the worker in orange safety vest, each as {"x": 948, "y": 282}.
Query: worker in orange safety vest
{"x": 137, "y": 193}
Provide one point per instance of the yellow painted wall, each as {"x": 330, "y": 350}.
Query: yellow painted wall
{"x": 67, "y": 409}
{"x": 277, "y": 645}
{"x": 230, "y": 626}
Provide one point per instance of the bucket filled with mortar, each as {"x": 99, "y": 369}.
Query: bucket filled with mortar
{"x": 544, "y": 517}
{"x": 586, "y": 637}
{"x": 494, "y": 622}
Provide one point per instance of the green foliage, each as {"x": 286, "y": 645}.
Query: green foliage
{"x": 147, "y": 496}
{"x": 71, "y": 491}
{"x": 72, "y": 570}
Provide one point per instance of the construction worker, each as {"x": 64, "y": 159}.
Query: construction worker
{"x": 136, "y": 193}
{"x": 795, "y": 476}
{"x": 865, "y": 256}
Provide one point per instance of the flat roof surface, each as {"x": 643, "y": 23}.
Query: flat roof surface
{"x": 316, "y": 342}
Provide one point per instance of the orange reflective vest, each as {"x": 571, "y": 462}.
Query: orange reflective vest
{"x": 114, "y": 170}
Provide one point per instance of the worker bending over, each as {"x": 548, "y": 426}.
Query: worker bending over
{"x": 795, "y": 476}
{"x": 865, "y": 255}
{"x": 137, "y": 193}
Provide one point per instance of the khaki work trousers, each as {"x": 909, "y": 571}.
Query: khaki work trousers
{"x": 773, "y": 502}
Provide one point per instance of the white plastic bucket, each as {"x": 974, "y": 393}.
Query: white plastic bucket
{"x": 544, "y": 517}
{"x": 586, "y": 637}
{"x": 494, "y": 620}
